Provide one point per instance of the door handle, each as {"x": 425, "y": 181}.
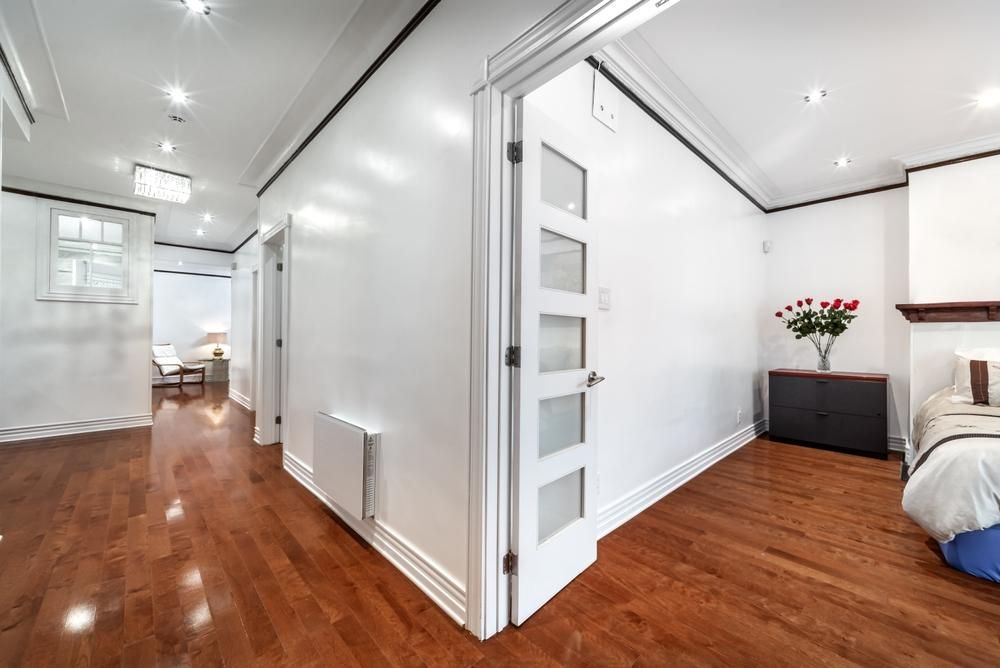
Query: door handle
{"x": 594, "y": 379}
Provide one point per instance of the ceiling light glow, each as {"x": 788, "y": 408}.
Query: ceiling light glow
{"x": 197, "y": 7}
{"x": 177, "y": 96}
{"x": 815, "y": 96}
{"x": 166, "y": 146}
{"x": 207, "y": 218}
{"x": 159, "y": 184}
{"x": 842, "y": 162}
{"x": 200, "y": 232}
{"x": 989, "y": 98}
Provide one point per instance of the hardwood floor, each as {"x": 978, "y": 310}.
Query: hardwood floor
{"x": 190, "y": 545}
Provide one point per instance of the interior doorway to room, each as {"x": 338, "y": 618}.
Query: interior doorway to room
{"x": 272, "y": 343}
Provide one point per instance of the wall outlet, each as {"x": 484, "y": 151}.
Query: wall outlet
{"x": 739, "y": 416}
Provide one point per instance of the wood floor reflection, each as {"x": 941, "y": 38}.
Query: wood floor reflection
{"x": 187, "y": 544}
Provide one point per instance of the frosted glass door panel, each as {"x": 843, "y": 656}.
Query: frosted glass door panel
{"x": 560, "y": 503}
{"x": 562, "y": 263}
{"x": 560, "y": 423}
{"x": 560, "y": 343}
{"x": 564, "y": 183}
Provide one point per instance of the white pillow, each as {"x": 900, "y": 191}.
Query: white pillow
{"x": 977, "y": 381}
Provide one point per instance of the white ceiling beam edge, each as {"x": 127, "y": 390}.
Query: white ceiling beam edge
{"x": 943, "y": 153}
{"x": 28, "y": 50}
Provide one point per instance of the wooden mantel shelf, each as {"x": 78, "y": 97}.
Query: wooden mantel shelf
{"x": 951, "y": 312}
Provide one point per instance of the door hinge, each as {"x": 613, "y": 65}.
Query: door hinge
{"x": 515, "y": 151}
{"x": 513, "y": 356}
{"x": 278, "y": 343}
{"x": 510, "y": 564}
{"x": 281, "y": 266}
{"x": 277, "y": 419}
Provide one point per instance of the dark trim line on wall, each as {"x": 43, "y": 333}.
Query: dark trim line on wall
{"x": 200, "y": 248}
{"x": 244, "y": 242}
{"x": 417, "y": 19}
{"x": 662, "y": 122}
{"x": 189, "y": 273}
{"x": 834, "y": 198}
{"x": 74, "y": 200}
{"x": 17, "y": 86}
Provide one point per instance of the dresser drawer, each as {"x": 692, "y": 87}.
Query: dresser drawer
{"x": 833, "y": 396}
{"x": 854, "y": 432}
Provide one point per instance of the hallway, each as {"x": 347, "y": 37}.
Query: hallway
{"x": 189, "y": 545}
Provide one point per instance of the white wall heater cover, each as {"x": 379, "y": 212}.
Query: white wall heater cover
{"x": 344, "y": 464}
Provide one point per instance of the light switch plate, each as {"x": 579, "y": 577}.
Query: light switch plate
{"x": 606, "y": 100}
{"x": 604, "y": 299}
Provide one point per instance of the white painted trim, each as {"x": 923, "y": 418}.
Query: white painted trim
{"x": 272, "y": 362}
{"x": 942, "y": 153}
{"x": 444, "y": 590}
{"x": 627, "y": 506}
{"x": 240, "y": 398}
{"x": 636, "y": 64}
{"x": 566, "y": 36}
{"x": 256, "y": 435}
{"x": 899, "y": 444}
{"x": 11, "y": 434}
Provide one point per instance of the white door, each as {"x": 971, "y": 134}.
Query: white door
{"x": 554, "y": 523}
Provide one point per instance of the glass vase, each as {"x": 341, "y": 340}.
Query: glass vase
{"x": 823, "y": 363}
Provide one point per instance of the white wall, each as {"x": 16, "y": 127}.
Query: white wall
{"x": 679, "y": 249}
{"x": 850, "y": 248}
{"x": 243, "y": 333}
{"x": 68, "y": 361}
{"x": 954, "y": 251}
{"x": 380, "y": 271}
{"x": 191, "y": 260}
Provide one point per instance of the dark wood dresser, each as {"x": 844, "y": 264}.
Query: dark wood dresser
{"x": 847, "y": 411}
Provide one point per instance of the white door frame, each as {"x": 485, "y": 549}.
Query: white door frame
{"x": 272, "y": 361}
{"x": 573, "y": 31}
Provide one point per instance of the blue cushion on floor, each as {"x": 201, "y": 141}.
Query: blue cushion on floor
{"x": 976, "y": 553}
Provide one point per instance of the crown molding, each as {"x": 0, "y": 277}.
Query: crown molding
{"x": 896, "y": 179}
{"x": 636, "y": 64}
{"x": 943, "y": 154}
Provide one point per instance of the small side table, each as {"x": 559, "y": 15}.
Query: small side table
{"x": 217, "y": 368}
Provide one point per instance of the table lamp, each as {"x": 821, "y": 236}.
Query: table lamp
{"x": 217, "y": 338}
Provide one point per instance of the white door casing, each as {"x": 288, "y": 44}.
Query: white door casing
{"x": 273, "y": 308}
{"x": 554, "y": 510}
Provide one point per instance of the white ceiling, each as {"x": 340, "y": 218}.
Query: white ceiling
{"x": 243, "y": 66}
{"x": 902, "y": 76}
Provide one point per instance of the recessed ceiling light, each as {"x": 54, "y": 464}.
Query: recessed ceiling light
{"x": 197, "y": 7}
{"x": 177, "y": 96}
{"x": 200, "y": 232}
{"x": 842, "y": 162}
{"x": 815, "y": 96}
{"x": 166, "y": 146}
{"x": 177, "y": 119}
{"x": 180, "y": 263}
{"x": 989, "y": 98}
{"x": 207, "y": 218}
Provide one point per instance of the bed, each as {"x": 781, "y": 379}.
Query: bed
{"x": 953, "y": 490}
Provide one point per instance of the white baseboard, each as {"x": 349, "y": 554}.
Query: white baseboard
{"x": 242, "y": 399}
{"x": 421, "y": 570}
{"x": 256, "y": 435}
{"x": 898, "y": 444}
{"x": 11, "y": 434}
{"x": 621, "y": 510}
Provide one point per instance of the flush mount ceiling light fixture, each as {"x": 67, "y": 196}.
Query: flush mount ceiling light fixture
{"x": 842, "y": 162}
{"x": 988, "y": 98}
{"x": 177, "y": 96}
{"x": 166, "y": 146}
{"x": 159, "y": 184}
{"x": 197, "y": 7}
{"x": 815, "y": 96}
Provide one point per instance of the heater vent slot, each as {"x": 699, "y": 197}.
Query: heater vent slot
{"x": 345, "y": 465}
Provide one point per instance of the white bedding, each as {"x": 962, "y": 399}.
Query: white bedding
{"x": 956, "y": 487}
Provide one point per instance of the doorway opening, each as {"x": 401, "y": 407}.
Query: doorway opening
{"x": 272, "y": 341}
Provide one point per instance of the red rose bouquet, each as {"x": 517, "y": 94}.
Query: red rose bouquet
{"x": 820, "y": 326}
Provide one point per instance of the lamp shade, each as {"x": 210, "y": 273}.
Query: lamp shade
{"x": 216, "y": 337}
